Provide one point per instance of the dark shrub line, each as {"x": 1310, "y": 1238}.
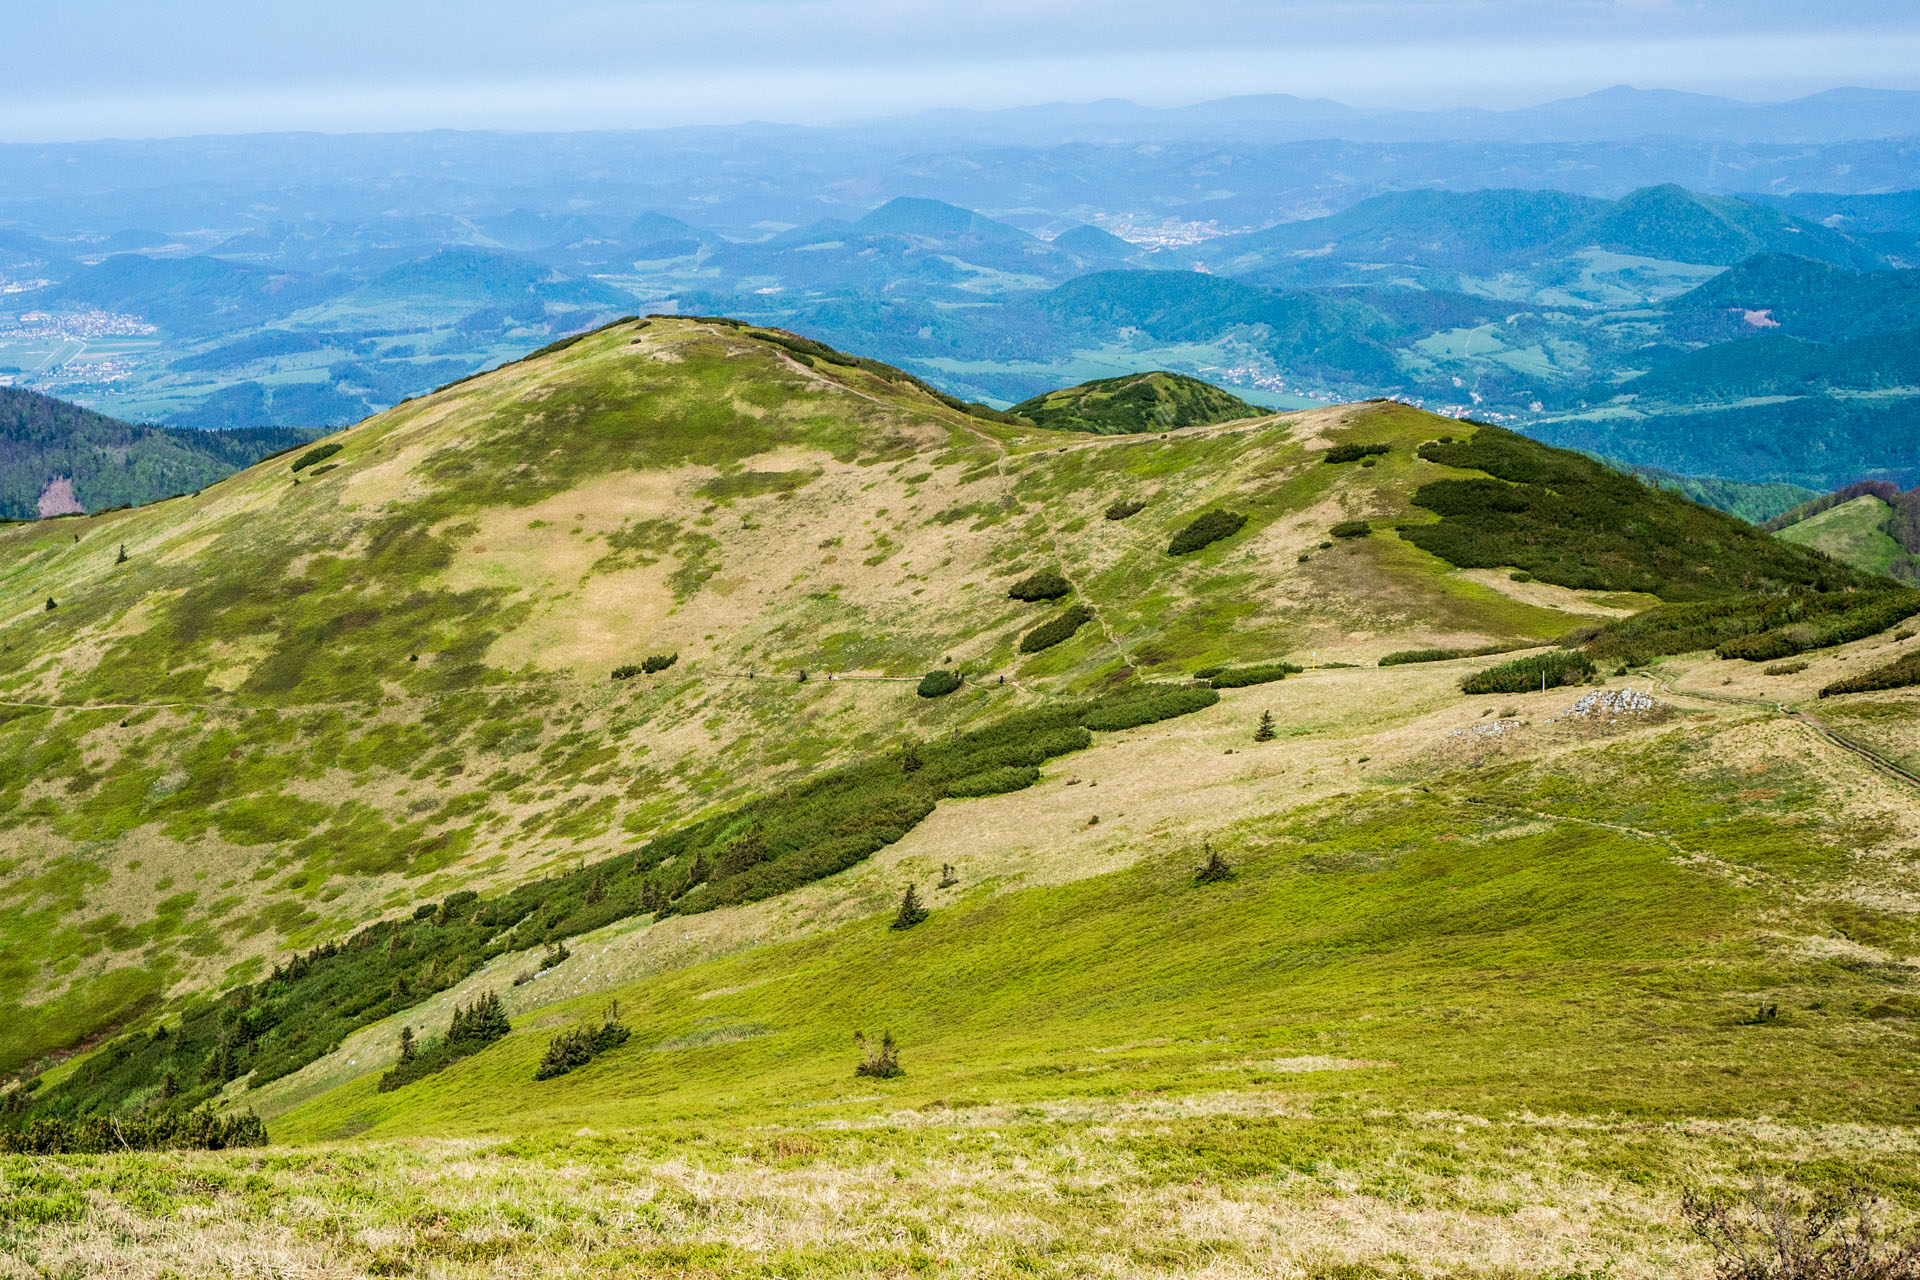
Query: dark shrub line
{"x": 316, "y": 999}
{"x": 1403, "y": 656}
{"x": 1125, "y": 507}
{"x": 1898, "y": 674}
{"x": 1523, "y": 675}
{"x": 1757, "y": 628}
{"x": 163, "y": 1131}
{"x": 1241, "y": 677}
{"x": 1206, "y": 529}
{"x": 1056, "y": 630}
{"x": 1354, "y": 452}
{"x": 319, "y": 453}
{"x": 1351, "y": 529}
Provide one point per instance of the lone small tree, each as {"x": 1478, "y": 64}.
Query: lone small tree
{"x": 52, "y": 604}
{"x": 911, "y": 911}
{"x": 948, "y": 876}
{"x": 406, "y": 1044}
{"x": 1266, "y": 732}
{"x": 882, "y": 1060}
{"x": 122, "y": 557}
{"x": 1215, "y": 870}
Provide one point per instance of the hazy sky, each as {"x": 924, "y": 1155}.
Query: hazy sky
{"x": 94, "y": 68}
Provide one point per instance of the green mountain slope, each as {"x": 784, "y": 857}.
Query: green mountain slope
{"x": 408, "y": 643}
{"x": 57, "y": 457}
{"x": 1854, "y": 533}
{"x": 362, "y": 736}
{"x": 1158, "y": 401}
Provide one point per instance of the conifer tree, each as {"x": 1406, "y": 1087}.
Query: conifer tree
{"x": 911, "y": 911}
{"x": 406, "y": 1043}
{"x": 1266, "y": 731}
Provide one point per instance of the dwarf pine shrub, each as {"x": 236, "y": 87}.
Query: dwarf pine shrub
{"x": 1205, "y": 529}
{"x": 659, "y": 662}
{"x": 1125, "y": 507}
{"x": 1351, "y": 529}
{"x": 1044, "y": 585}
{"x": 1354, "y": 452}
{"x": 1524, "y": 675}
{"x": 319, "y": 453}
{"x": 1241, "y": 677}
{"x": 937, "y": 684}
{"x": 1056, "y": 630}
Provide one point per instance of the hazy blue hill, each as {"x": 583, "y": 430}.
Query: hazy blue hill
{"x": 1312, "y": 333}
{"x": 1088, "y": 241}
{"x": 936, "y": 220}
{"x": 188, "y": 295}
{"x": 1451, "y": 229}
{"x": 1817, "y": 441}
{"x": 477, "y": 278}
{"x": 1803, "y": 298}
{"x": 1674, "y": 223}
{"x": 1478, "y": 231}
{"x": 112, "y": 463}
{"x": 1777, "y": 364}
{"x": 528, "y": 229}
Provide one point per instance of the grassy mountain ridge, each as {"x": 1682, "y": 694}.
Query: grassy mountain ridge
{"x": 1157, "y": 401}
{"x": 327, "y": 760}
{"x": 408, "y": 649}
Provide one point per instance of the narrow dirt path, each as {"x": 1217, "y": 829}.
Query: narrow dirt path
{"x": 1811, "y": 723}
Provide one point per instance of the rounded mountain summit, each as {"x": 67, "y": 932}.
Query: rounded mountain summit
{"x": 1137, "y": 402}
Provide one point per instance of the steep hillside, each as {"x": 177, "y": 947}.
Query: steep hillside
{"x": 405, "y": 636}
{"x": 1157, "y": 401}
{"x": 57, "y": 458}
{"x": 536, "y": 772}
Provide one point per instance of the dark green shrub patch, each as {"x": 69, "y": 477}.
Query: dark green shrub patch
{"x": 627, "y": 672}
{"x": 164, "y": 1131}
{"x": 937, "y": 684}
{"x": 658, "y": 662}
{"x": 1523, "y": 675}
{"x": 319, "y": 453}
{"x": 1056, "y": 630}
{"x": 314, "y": 1000}
{"x": 1571, "y": 521}
{"x": 1125, "y": 507}
{"x": 1897, "y": 674}
{"x": 473, "y": 1028}
{"x": 573, "y": 1049}
{"x": 1757, "y": 628}
{"x": 1351, "y": 529}
{"x": 1354, "y": 452}
{"x": 1205, "y": 530}
{"x": 1044, "y": 585}
{"x": 1241, "y": 677}
{"x": 1146, "y": 704}
{"x": 1403, "y": 656}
